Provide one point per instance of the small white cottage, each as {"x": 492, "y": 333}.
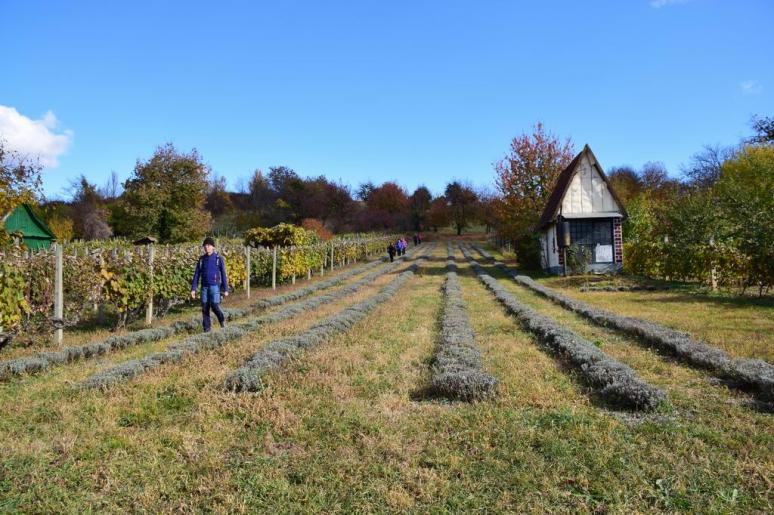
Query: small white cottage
{"x": 584, "y": 198}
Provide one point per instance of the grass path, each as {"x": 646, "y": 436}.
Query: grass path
{"x": 741, "y": 326}
{"x": 45, "y": 420}
{"x": 343, "y": 429}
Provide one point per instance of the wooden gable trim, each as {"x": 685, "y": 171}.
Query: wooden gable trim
{"x": 555, "y": 200}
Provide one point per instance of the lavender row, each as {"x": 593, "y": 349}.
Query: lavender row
{"x": 44, "y": 360}
{"x": 456, "y": 366}
{"x": 247, "y": 378}
{"x": 754, "y": 374}
{"x": 212, "y": 340}
{"x": 616, "y": 382}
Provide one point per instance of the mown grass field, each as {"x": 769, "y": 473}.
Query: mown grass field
{"x": 347, "y": 426}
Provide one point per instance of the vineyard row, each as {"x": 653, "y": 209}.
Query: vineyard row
{"x": 91, "y": 281}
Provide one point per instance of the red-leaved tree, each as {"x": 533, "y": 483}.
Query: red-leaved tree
{"x": 525, "y": 179}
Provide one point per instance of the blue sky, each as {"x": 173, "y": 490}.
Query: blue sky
{"x": 414, "y": 91}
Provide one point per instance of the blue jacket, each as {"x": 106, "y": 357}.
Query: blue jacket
{"x": 212, "y": 270}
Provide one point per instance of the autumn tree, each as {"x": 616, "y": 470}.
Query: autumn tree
{"x": 462, "y": 202}
{"x": 288, "y": 190}
{"x": 656, "y": 181}
{"x": 112, "y": 188}
{"x": 487, "y": 208}
{"x": 525, "y": 178}
{"x": 438, "y": 214}
{"x": 387, "y": 206}
{"x": 19, "y": 183}
{"x": 89, "y": 213}
{"x": 325, "y": 200}
{"x": 218, "y": 201}
{"x": 57, "y": 215}
{"x": 626, "y": 182}
{"x": 317, "y": 227}
{"x": 165, "y": 197}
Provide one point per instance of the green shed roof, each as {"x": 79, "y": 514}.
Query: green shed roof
{"x": 24, "y": 220}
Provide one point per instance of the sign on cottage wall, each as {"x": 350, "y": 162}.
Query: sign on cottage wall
{"x": 603, "y": 253}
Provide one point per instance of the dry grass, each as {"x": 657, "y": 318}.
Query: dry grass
{"x": 742, "y": 326}
{"x": 344, "y": 429}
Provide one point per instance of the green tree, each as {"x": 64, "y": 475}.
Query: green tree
{"x": 419, "y": 203}
{"x": 165, "y": 197}
{"x": 745, "y": 199}
{"x": 463, "y": 204}
{"x": 764, "y": 129}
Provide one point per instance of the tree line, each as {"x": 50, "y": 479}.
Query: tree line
{"x": 175, "y": 197}
{"x": 712, "y": 223}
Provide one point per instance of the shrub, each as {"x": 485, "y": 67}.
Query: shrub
{"x": 578, "y": 259}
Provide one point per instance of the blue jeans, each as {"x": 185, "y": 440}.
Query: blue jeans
{"x": 211, "y": 300}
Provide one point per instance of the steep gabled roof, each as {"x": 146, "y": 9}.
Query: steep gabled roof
{"x": 563, "y": 182}
{"x": 24, "y": 219}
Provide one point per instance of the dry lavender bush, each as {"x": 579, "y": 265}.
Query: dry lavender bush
{"x": 44, "y": 360}
{"x": 456, "y": 366}
{"x": 635, "y": 287}
{"x": 614, "y": 381}
{"x": 753, "y": 374}
{"x": 212, "y": 340}
{"x": 247, "y": 378}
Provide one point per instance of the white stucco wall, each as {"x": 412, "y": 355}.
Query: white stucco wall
{"x": 587, "y": 192}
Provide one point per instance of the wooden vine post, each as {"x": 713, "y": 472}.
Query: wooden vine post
{"x": 713, "y": 269}
{"x": 293, "y": 253}
{"x": 274, "y": 268}
{"x": 247, "y": 276}
{"x": 100, "y": 306}
{"x": 149, "y": 304}
{"x": 58, "y": 294}
{"x": 332, "y": 260}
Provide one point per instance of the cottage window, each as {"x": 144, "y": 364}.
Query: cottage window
{"x": 596, "y": 235}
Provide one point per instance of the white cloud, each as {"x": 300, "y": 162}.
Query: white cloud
{"x": 662, "y": 3}
{"x": 751, "y": 87}
{"x": 34, "y": 138}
